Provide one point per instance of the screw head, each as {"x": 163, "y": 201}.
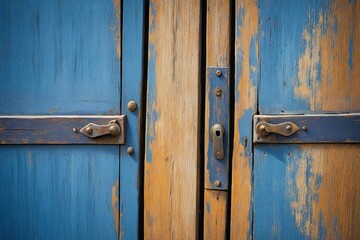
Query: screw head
{"x": 218, "y": 73}
{"x": 218, "y": 91}
{"x": 304, "y": 128}
{"x": 130, "y": 150}
{"x": 217, "y": 183}
{"x": 75, "y": 130}
{"x": 288, "y": 127}
{"x": 89, "y": 130}
{"x": 132, "y": 106}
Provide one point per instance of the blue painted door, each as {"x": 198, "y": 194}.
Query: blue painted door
{"x": 307, "y": 52}
{"x": 65, "y": 57}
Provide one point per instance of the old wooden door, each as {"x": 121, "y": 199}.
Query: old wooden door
{"x": 297, "y": 62}
{"x": 59, "y": 59}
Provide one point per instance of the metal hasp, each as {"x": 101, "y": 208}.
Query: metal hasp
{"x": 62, "y": 129}
{"x": 217, "y": 136}
{"x": 286, "y": 129}
{"x": 93, "y": 130}
{"x": 312, "y": 128}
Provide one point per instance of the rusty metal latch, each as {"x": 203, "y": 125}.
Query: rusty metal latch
{"x": 217, "y": 135}
{"x": 93, "y": 130}
{"x": 285, "y": 129}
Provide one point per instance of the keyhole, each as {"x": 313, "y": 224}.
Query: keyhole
{"x": 217, "y": 133}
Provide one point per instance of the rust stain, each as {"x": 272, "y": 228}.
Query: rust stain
{"x": 325, "y": 77}
{"x": 117, "y": 6}
{"x": 115, "y": 205}
{"x": 241, "y": 189}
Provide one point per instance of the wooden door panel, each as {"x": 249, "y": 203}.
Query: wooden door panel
{"x": 307, "y": 51}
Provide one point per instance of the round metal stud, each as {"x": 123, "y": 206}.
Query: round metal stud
{"x": 304, "y": 128}
{"x": 130, "y": 150}
{"x": 217, "y": 183}
{"x": 75, "y": 130}
{"x": 218, "y": 73}
{"x": 132, "y": 106}
{"x": 114, "y": 130}
{"x": 89, "y": 130}
{"x": 288, "y": 127}
{"x": 218, "y": 91}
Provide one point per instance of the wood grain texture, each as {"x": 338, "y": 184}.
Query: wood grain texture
{"x": 246, "y": 77}
{"x": 215, "y": 214}
{"x": 218, "y": 33}
{"x": 172, "y": 121}
{"x": 311, "y": 44}
{"x": 218, "y": 50}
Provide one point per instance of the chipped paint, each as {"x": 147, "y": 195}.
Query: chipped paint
{"x": 115, "y": 205}
{"x": 323, "y": 196}
{"x": 326, "y": 66}
{"x": 117, "y": 7}
{"x": 246, "y": 76}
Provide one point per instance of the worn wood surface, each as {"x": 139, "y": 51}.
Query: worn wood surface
{"x": 309, "y": 53}
{"x": 218, "y": 34}
{"x": 247, "y": 69}
{"x": 215, "y": 213}
{"x": 132, "y": 90}
{"x": 59, "y": 57}
{"x": 171, "y": 196}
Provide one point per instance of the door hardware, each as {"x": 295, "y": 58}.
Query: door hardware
{"x": 285, "y": 129}
{"x": 93, "y": 130}
{"x": 217, "y": 135}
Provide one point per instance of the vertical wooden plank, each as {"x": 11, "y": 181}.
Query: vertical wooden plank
{"x": 215, "y": 214}
{"x": 247, "y": 69}
{"x": 132, "y": 84}
{"x": 172, "y": 121}
{"x": 311, "y": 44}
{"x": 218, "y": 50}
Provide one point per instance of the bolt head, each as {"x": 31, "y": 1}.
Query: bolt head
{"x": 75, "y": 130}
{"x": 114, "y": 130}
{"x": 288, "y": 127}
{"x": 89, "y": 130}
{"x": 217, "y": 183}
{"x": 304, "y": 128}
{"x": 218, "y": 91}
{"x": 218, "y": 73}
{"x": 130, "y": 150}
{"x": 132, "y": 106}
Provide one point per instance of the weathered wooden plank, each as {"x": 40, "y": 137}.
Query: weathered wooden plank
{"x": 59, "y": 57}
{"x": 217, "y": 111}
{"x": 57, "y": 129}
{"x": 247, "y": 69}
{"x": 215, "y": 213}
{"x": 132, "y": 89}
{"x": 314, "y": 128}
{"x": 308, "y": 57}
{"x": 172, "y": 121}
{"x": 49, "y": 192}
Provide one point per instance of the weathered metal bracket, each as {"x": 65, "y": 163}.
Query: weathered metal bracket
{"x": 62, "y": 129}
{"x": 217, "y": 115}
{"x": 319, "y": 128}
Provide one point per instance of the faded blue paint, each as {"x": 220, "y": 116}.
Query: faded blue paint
{"x": 219, "y": 114}
{"x": 56, "y": 57}
{"x": 56, "y": 192}
{"x": 321, "y": 229}
{"x": 151, "y": 116}
{"x": 281, "y": 46}
{"x": 208, "y": 207}
{"x": 275, "y": 190}
{"x": 132, "y": 85}
{"x": 153, "y": 14}
{"x": 350, "y": 58}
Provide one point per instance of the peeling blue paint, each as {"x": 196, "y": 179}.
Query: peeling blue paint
{"x": 151, "y": 114}
{"x": 153, "y": 14}
{"x": 208, "y": 207}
